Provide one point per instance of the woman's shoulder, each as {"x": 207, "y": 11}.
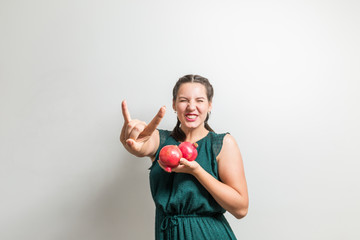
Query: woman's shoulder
{"x": 222, "y": 143}
{"x": 217, "y": 141}
{"x": 218, "y": 136}
{"x": 163, "y": 134}
{"x": 164, "y": 131}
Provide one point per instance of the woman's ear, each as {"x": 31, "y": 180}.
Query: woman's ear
{"x": 174, "y": 106}
{"x": 210, "y": 106}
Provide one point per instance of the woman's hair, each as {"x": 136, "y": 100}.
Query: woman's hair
{"x": 177, "y": 133}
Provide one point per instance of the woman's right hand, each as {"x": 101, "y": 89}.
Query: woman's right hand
{"x": 136, "y": 135}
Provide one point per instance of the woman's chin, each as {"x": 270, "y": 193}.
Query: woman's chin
{"x": 191, "y": 125}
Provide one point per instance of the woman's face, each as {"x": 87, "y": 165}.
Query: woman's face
{"x": 192, "y": 105}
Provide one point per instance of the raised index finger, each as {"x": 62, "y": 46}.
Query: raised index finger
{"x": 150, "y": 128}
{"x": 125, "y": 111}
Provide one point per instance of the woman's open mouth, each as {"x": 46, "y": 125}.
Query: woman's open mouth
{"x": 191, "y": 117}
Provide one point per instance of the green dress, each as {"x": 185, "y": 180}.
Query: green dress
{"x": 184, "y": 208}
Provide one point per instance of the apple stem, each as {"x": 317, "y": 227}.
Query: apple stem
{"x": 195, "y": 145}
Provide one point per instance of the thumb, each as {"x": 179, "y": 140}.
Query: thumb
{"x": 184, "y": 161}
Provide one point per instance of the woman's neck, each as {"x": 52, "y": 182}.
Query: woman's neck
{"x": 194, "y": 135}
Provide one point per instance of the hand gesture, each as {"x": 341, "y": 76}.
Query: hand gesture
{"x": 135, "y": 133}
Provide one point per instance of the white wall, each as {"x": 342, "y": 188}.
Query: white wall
{"x": 286, "y": 77}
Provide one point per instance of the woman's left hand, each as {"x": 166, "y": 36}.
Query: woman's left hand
{"x": 185, "y": 166}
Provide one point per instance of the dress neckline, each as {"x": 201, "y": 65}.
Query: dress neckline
{"x": 201, "y": 139}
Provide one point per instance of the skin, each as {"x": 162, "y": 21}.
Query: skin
{"x": 142, "y": 139}
{"x": 192, "y": 99}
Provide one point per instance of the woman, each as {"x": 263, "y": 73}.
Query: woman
{"x": 192, "y": 198}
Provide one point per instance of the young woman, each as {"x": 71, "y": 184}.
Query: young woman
{"x": 192, "y": 198}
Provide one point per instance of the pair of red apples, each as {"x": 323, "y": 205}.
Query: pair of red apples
{"x": 170, "y": 155}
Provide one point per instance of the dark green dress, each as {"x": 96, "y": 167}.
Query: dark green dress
{"x": 184, "y": 208}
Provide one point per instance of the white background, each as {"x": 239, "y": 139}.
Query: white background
{"x": 286, "y": 77}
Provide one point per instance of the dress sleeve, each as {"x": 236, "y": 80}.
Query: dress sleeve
{"x": 218, "y": 143}
{"x": 163, "y": 135}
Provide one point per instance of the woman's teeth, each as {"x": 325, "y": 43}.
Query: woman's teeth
{"x": 191, "y": 116}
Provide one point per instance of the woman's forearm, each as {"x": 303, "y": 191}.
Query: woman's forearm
{"x": 227, "y": 197}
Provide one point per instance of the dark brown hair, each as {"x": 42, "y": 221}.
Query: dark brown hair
{"x": 177, "y": 133}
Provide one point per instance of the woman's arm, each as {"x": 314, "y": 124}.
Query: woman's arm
{"x": 231, "y": 193}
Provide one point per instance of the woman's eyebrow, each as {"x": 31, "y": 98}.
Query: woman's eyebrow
{"x": 200, "y": 98}
{"x": 196, "y": 98}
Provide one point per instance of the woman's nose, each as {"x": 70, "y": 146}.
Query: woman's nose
{"x": 191, "y": 105}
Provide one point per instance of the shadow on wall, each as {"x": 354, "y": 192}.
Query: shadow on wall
{"x": 123, "y": 209}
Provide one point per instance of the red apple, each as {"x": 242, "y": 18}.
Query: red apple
{"x": 189, "y": 150}
{"x": 170, "y": 156}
